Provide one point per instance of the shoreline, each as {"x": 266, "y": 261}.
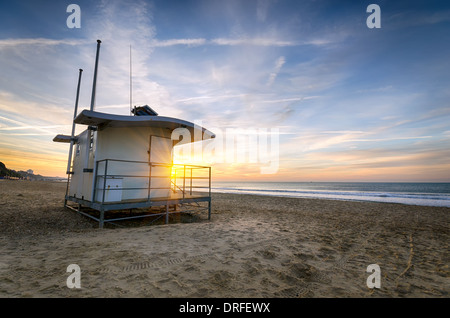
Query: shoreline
{"x": 255, "y": 246}
{"x": 413, "y": 193}
{"x": 332, "y": 199}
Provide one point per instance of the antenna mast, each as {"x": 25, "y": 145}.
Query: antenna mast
{"x": 131, "y": 86}
{"x": 72, "y": 136}
{"x": 94, "y": 84}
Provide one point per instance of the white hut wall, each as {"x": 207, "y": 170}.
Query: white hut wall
{"x": 81, "y": 182}
{"x": 133, "y": 144}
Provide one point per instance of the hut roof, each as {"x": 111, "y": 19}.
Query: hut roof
{"x": 104, "y": 120}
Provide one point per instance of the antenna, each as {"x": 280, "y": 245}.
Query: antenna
{"x": 73, "y": 123}
{"x": 94, "y": 84}
{"x": 131, "y": 86}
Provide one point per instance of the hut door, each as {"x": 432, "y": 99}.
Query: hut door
{"x": 160, "y": 157}
{"x": 160, "y": 150}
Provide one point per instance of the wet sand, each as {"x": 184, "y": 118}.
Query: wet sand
{"x": 253, "y": 246}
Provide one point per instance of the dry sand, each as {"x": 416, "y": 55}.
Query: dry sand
{"x": 254, "y": 246}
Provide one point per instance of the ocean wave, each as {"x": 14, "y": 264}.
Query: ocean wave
{"x": 434, "y": 199}
{"x": 432, "y": 196}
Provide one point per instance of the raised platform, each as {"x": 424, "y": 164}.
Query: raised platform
{"x": 183, "y": 185}
{"x": 186, "y": 204}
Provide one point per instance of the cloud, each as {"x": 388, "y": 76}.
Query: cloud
{"x": 376, "y": 157}
{"x": 40, "y": 41}
{"x": 172, "y": 42}
{"x": 208, "y": 99}
{"x": 289, "y": 99}
{"x": 23, "y": 113}
{"x": 253, "y": 42}
{"x": 243, "y": 41}
{"x": 413, "y": 161}
{"x": 267, "y": 41}
{"x": 278, "y": 64}
{"x": 411, "y": 18}
{"x": 343, "y": 132}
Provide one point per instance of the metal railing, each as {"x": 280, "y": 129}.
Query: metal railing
{"x": 136, "y": 181}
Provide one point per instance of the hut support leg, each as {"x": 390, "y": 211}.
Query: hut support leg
{"x": 209, "y": 210}
{"x": 102, "y": 218}
{"x": 167, "y": 213}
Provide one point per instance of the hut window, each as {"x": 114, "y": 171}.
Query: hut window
{"x": 91, "y": 144}
{"x": 77, "y": 151}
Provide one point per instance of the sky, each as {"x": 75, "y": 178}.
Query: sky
{"x": 333, "y": 99}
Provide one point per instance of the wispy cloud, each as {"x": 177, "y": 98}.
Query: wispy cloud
{"x": 208, "y": 98}
{"x": 257, "y": 41}
{"x": 172, "y": 42}
{"x": 253, "y": 42}
{"x": 247, "y": 41}
{"x": 278, "y": 65}
{"x": 23, "y": 113}
{"x": 409, "y": 18}
{"x": 290, "y": 99}
{"x": 39, "y": 41}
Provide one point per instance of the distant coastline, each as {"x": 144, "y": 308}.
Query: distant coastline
{"x": 29, "y": 175}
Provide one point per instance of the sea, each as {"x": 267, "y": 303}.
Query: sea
{"x": 427, "y": 194}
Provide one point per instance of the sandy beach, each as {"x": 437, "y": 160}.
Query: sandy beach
{"x": 253, "y": 246}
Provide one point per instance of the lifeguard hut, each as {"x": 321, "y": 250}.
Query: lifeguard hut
{"x": 123, "y": 163}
